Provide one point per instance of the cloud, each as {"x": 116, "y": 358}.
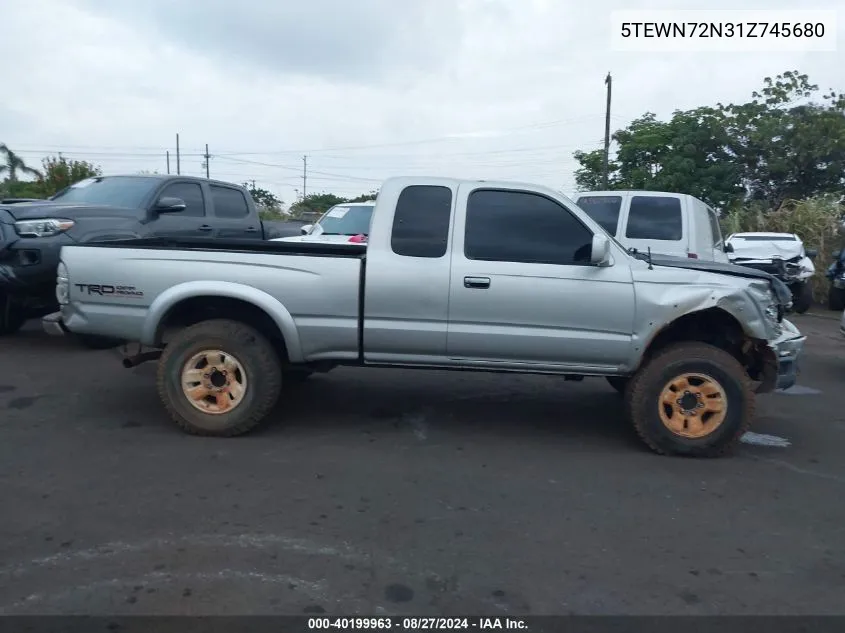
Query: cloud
{"x": 367, "y": 89}
{"x": 363, "y": 41}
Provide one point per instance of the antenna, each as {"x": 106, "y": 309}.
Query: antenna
{"x": 650, "y": 267}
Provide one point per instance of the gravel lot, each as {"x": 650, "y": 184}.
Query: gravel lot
{"x": 409, "y": 492}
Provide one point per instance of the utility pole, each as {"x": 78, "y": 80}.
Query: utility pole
{"x": 207, "y": 161}
{"x": 253, "y": 183}
{"x": 168, "y": 161}
{"x": 304, "y": 176}
{"x": 608, "y": 81}
{"x": 178, "y": 171}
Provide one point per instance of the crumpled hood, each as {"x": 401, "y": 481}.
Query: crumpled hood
{"x": 781, "y": 290}
{"x": 765, "y": 250}
{"x": 72, "y": 211}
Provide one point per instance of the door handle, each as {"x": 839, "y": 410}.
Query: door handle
{"x": 251, "y": 229}
{"x": 477, "y": 282}
{"x": 205, "y": 227}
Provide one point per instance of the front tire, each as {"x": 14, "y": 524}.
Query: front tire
{"x": 802, "y": 297}
{"x": 219, "y": 378}
{"x": 691, "y": 399}
{"x": 836, "y": 299}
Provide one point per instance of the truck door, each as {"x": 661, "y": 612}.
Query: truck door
{"x": 523, "y": 290}
{"x": 658, "y": 222}
{"x": 232, "y": 217}
{"x": 406, "y": 289}
{"x": 191, "y": 221}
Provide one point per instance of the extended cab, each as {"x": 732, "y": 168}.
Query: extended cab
{"x": 108, "y": 207}
{"x": 471, "y": 275}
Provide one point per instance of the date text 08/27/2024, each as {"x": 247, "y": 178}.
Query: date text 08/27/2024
{"x": 415, "y": 624}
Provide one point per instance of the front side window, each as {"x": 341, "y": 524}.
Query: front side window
{"x": 515, "y": 226}
{"x": 655, "y": 218}
{"x": 421, "y": 222}
{"x": 190, "y": 193}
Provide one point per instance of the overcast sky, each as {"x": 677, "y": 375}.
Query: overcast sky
{"x": 365, "y": 88}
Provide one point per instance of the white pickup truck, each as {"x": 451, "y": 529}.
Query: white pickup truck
{"x": 457, "y": 274}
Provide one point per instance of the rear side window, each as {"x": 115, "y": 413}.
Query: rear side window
{"x": 421, "y": 221}
{"x": 655, "y": 218}
{"x": 229, "y": 203}
{"x": 602, "y": 209}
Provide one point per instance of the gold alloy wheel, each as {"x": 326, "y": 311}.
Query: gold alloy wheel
{"x": 693, "y": 405}
{"x": 214, "y": 381}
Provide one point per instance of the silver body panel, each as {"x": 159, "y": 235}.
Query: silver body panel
{"x": 593, "y": 320}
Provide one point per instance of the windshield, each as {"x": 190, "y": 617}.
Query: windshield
{"x": 347, "y": 220}
{"x": 115, "y": 191}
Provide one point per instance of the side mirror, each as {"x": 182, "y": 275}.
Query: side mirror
{"x": 167, "y": 204}
{"x": 812, "y": 253}
{"x": 728, "y": 248}
{"x": 306, "y": 228}
{"x": 600, "y": 253}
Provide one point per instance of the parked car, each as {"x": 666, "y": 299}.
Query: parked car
{"x": 107, "y": 207}
{"x": 347, "y": 222}
{"x": 672, "y": 224}
{"x": 782, "y": 255}
{"x": 836, "y": 275}
{"x": 470, "y": 275}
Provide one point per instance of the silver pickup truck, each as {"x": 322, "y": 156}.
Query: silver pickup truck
{"x": 469, "y": 275}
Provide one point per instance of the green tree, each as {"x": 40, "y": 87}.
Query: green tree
{"x": 315, "y": 204}
{"x": 774, "y": 147}
{"x": 13, "y": 164}
{"x": 59, "y": 172}
{"x": 365, "y": 197}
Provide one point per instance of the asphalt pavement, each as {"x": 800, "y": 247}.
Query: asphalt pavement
{"x": 410, "y": 492}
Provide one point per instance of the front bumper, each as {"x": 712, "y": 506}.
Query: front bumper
{"x": 787, "y": 348}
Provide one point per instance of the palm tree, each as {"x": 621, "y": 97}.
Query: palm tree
{"x": 14, "y": 164}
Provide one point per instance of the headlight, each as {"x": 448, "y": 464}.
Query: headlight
{"x": 774, "y": 317}
{"x": 42, "y": 228}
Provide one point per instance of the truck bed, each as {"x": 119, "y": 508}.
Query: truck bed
{"x": 125, "y": 288}
{"x": 237, "y": 246}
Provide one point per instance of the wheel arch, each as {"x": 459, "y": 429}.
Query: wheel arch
{"x": 196, "y": 301}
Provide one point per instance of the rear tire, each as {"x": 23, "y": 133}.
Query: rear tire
{"x": 12, "y": 315}
{"x": 836, "y": 299}
{"x": 253, "y": 378}
{"x": 711, "y": 396}
{"x": 802, "y": 297}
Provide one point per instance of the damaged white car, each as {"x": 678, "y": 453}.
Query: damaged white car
{"x": 780, "y": 254}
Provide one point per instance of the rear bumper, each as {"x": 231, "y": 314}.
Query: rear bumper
{"x": 53, "y": 325}
{"x": 788, "y": 348}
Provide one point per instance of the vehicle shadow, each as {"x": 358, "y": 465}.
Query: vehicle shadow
{"x": 441, "y": 403}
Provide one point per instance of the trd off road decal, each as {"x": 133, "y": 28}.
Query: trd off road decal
{"x": 106, "y": 290}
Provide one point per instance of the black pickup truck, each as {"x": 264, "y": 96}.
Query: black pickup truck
{"x": 106, "y": 208}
